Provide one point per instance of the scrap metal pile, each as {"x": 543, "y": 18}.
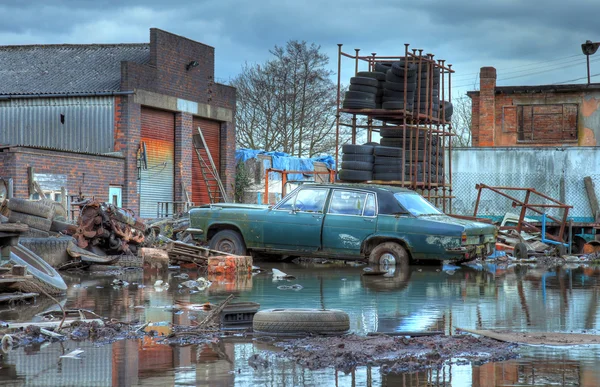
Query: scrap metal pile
{"x": 113, "y": 230}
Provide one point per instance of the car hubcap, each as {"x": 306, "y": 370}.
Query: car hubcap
{"x": 226, "y": 246}
{"x": 387, "y": 260}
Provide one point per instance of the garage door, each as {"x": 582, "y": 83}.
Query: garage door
{"x": 212, "y": 135}
{"x": 158, "y": 181}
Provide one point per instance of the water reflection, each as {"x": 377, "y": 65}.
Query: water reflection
{"x": 479, "y": 296}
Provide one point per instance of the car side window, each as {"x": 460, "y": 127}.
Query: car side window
{"x": 288, "y": 204}
{"x": 311, "y": 199}
{"x": 370, "y": 209}
{"x": 347, "y": 202}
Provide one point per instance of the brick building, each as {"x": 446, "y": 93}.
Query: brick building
{"x": 80, "y": 116}
{"x": 547, "y": 115}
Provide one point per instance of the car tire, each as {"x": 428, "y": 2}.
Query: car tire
{"x": 520, "y": 251}
{"x": 364, "y": 89}
{"x": 402, "y": 68}
{"x": 390, "y": 253}
{"x": 364, "y": 81}
{"x": 383, "y": 160}
{"x": 399, "y": 95}
{"x": 284, "y": 322}
{"x": 357, "y": 149}
{"x": 357, "y": 165}
{"x": 228, "y": 241}
{"x": 387, "y": 176}
{"x": 353, "y": 175}
{"x": 42, "y": 208}
{"x": 388, "y": 151}
{"x": 34, "y": 221}
{"x": 380, "y": 76}
{"x": 399, "y": 86}
{"x": 359, "y": 96}
{"x": 357, "y": 157}
{"x": 383, "y": 67}
{"x": 51, "y": 250}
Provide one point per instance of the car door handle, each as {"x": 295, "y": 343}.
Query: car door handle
{"x": 318, "y": 217}
{"x": 368, "y": 220}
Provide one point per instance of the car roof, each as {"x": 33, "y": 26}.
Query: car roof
{"x": 366, "y": 187}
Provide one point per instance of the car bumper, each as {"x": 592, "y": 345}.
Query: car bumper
{"x": 472, "y": 251}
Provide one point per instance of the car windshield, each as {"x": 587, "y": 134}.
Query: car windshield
{"x": 416, "y": 204}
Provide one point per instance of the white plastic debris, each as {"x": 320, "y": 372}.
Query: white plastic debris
{"x": 75, "y": 354}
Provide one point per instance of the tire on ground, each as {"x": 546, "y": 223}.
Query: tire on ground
{"x": 40, "y": 223}
{"x": 357, "y": 165}
{"x": 357, "y": 149}
{"x": 520, "y": 251}
{"x": 228, "y": 241}
{"x": 41, "y": 208}
{"x": 301, "y": 321}
{"x": 352, "y": 175}
{"x": 51, "y": 250}
{"x": 45, "y": 278}
{"x": 35, "y": 233}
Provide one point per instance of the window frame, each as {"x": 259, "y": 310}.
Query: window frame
{"x": 362, "y": 214}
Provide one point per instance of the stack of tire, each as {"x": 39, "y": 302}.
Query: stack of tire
{"x": 446, "y": 106}
{"x": 387, "y": 163}
{"x": 37, "y": 214}
{"x": 364, "y": 92}
{"x": 357, "y": 163}
{"x": 427, "y": 99}
{"x": 396, "y": 73}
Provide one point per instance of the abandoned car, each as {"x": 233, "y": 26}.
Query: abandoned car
{"x": 384, "y": 224}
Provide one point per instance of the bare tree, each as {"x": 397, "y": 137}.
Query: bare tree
{"x": 287, "y": 104}
{"x": 461, "y": 121}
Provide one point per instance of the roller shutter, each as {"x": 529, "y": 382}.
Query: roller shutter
{"x": 212, "y": 135}
{"x": 158, "y": 181}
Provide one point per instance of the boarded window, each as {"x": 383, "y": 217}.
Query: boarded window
{"x": 547, "y": 123}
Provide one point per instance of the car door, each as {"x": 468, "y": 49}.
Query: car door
{"x": 295, "y": 224}
{"x": 351, "y": 217}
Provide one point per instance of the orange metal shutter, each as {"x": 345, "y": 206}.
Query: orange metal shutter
{"x": 212, "y": 135}
{"x": 158, "y": 181}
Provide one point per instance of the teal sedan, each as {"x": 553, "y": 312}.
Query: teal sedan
{"x": 381, "y": 224}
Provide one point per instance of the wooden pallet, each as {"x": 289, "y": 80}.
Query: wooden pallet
{"x": 179, "y": 251}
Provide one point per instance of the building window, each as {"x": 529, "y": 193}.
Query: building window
{"x": 547, "y": 122}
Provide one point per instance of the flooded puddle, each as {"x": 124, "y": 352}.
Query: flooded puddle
{"x": 478, "y": 297}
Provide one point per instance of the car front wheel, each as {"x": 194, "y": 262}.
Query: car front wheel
{"x": 228, "y": 241}
{"x": 389, "y": 255}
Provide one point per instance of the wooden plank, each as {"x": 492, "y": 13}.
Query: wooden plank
{"x": 591, "y": 194}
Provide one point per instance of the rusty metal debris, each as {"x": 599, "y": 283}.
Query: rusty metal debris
{"x": 112, "y": 229}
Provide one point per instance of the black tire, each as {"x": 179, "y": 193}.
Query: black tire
{"x": 388, "y": 176}
{"x": 364, "y": 81}
{"x": 383, "y": 67}
{"x": 40, "y": 208}
{"x": 300, "y": 321}
{"x": 399, "y": 95}
{"x": 391, "y": 77}
{"x": 35, "y": 233}
{"x": 387, "y": 151}
{"x": 399, "y": 85}
{"x": 382, "y": 160}
{"x": 364, "y": 89}
{"x": 395, "y": 105}
{"x": 51, "y": 250}
{"x": 397, "y": 142}
{"x": 383, "y": 251}
{"x": 129, "y": 261}
{"x": 402, "y": 69}
{"x": 44, "y": 275}
{"x": 359, "y": 96}
{"x": 353, "y": 175}
{"x": 357, "y": 165}
{"x": 357, "y": 157}
{"x": 358, "y": 104}
{"x": 228, "y": 241}
{"x": 395, "y": 168}
{"x": 399, "y": 133}
{"x": 60, "y": 226}
{"x": 40, "y": 223}
{"x": 380, "y": 76}
{"x": 357, "y": 149}
{"x": 520, "y": 251}
{"x": 372, "y": 143}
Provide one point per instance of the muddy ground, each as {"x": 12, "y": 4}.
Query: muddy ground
{"x": 394, "y": 354}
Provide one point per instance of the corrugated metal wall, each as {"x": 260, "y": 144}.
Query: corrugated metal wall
{"x": 88, "y": 123}
{"x": 158, "y": 181}
{"x": 211, "y": 130}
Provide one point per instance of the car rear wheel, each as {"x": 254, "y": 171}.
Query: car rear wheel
{"x": 389, "y": 256}
{"x": 228, "y": 241}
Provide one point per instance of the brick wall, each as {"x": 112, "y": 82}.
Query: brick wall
{"x": 565, "y": 117}
{"x": 127, "y": 141}
{"x": 100, "y": 171}
{"x": 183, "y": 155}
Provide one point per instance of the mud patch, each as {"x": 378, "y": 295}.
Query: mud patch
{"x": 394, "y": 354}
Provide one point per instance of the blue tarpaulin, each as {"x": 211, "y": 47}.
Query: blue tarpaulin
{"x": 285, "y": 162}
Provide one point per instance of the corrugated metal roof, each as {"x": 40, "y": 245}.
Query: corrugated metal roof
{"x": 48, "y": 69}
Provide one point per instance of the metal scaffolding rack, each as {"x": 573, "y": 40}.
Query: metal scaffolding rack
{"x": 421, "y": 119}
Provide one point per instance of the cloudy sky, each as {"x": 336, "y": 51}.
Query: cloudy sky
{"x": 529, "y": 43}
